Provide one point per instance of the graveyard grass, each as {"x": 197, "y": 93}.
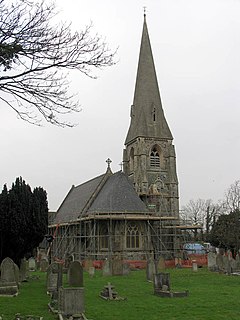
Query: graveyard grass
{"x": 211, "y": 296}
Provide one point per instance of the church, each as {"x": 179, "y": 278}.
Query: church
{"x": 132, "y": 214}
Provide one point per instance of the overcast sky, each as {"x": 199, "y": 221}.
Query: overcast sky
{"x": 196, "y": 48}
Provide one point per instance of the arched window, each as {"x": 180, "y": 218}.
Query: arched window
{"x": 133, "y": 237}
{"x": 131, "y": 160}
{"x": 154, "y": 158}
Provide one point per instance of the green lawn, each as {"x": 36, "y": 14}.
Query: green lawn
{"x": 211, "y": 296}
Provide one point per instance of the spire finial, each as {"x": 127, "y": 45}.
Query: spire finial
{"x": 144, "y": 11}
{"x": 108, "y": 162}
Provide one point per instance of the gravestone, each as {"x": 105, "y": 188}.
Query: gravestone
{"x": 75, "y": 274}
{"x": 226, "y": 264}
{"x": 194, "y": 266}
{"x": 9, "y": 278}
{"x": 117, "y": 267}
{"x": 219, "y": 261}
{"x": 71, "y": 301}
{"x": 125, "y": 269}
{"x": 107, "y": 268}
{"x": 9, "y": 271}
{"x": 161, "y": 264}
{"x": 44, "y": 264}
{"x": 53, "y": 277}
{"x": 91, "y": 272}
{"x": 23, "y": 271}
{"x": 32, "y": 264}
{"x": 88, "y": 263}
{"x": 151, "y": 269}
{"x": 212, "y": 261}
{"x": 233, "y": 265}
{"x": 162, "y": 281}
{"x": 237, "y": 262}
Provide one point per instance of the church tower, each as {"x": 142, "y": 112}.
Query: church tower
{"x": 149, "y": 158}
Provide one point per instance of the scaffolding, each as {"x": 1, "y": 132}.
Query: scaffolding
{"x": 127, "y": 236}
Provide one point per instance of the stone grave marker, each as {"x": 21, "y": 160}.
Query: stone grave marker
{"x": 32, "y": 264}
{"x": 52, "y": 277}
{"x": 219, "y": 261}
{"x": 75, "y": 274}
{"x": 107, "y": 268}
{"x": 9, "y": 278}
{"x": 117, "y": 267}
{"x": 88, "y": 263}
{"x": 44, "y": 264}
{"x": 126, "y": 269}
{"x": 237, "y": 261}
{"x": 151, "y": 269}
{"x": 91, "y": 272}
{"x": 23, "y": 271}
{"x": 161, "y": 264}
{"x": 212, "y": 261}
{"x": 71, "y": 301}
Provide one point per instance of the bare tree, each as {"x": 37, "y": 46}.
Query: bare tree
{"x": 35, "y": 56}
{"x": 232, "y": 197}
{"x": 202, "y": 212}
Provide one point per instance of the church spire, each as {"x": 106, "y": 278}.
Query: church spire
{"x": 147, "y": 117}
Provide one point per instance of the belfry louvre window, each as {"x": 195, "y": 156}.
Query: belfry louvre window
{"x": 133, "y": 237}
{"x": 154, "y": 158}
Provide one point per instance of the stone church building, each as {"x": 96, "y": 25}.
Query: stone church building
{"x": 132, "y": 214}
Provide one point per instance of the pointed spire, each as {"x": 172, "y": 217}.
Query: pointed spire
{"x": 147, "y": 117}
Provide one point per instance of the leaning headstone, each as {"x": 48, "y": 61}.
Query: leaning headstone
{"x": 107, "y": 268}
{"x": 32, "y": 264}
{"x": 151, "y": 269}
{"x": 162, "y": 281}
{"x": 75, "y": 274}
{"x": 52, "y": 277}
{"x": 117, "y": 267}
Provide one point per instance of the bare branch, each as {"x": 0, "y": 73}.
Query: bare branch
{"x": 35, "y": 56}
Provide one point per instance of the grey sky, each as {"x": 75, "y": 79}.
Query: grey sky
{"x": 196, "y": 48}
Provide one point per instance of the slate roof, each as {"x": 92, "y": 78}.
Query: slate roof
{"x": 108, "y": 193}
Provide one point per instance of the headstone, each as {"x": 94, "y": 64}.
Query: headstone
{"x": 126, "y": 269}
{"x": 52, "y": 277}
{"x": 71, "y": 301}
{"x": 75, "y": 274}
{"x": 161, "y": 264}
{"x": 9, "y": 278}
{"x": 151, "y": 269}
{"x": 117, "y": 267}
{"x": 194, "y": 266}
{"x": 88, "y": 263}
{"x": 44, "y": 264}
{"x": 8, "y": 271}
{"x": 233, "y": 265}
{"x": 225, "y": 263}
{"x": 237, "y": 261}
{"x": 162, "y": 281}
{"x": 32, "y": 264}
{"x": 212, "y": 261}
{"x": 91, "y": 272}
{"x": 107, "y": 268}
{"x": 219, "y": 261}
{"x": 23, "y": 271}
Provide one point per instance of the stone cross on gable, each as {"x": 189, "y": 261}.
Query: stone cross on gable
{"x": 108, "y": 162}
